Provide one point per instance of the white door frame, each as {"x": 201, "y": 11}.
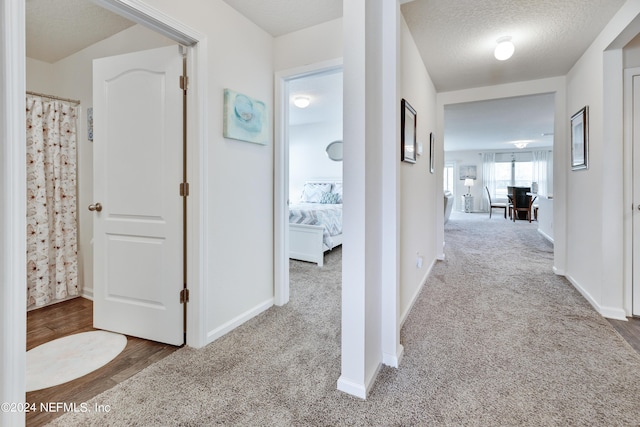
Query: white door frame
{"x": 628, "y": 167}
{"x": 13, "y": 184}
{"x": 281, "y": 166}
{"x": 197, "y": 171}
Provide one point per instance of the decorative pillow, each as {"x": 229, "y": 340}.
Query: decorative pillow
{"x": 312, "y": 192}
{"x": 337, "y": 189}
{"x": 329, "y": 198}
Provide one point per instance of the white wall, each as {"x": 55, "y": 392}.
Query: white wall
{"x": 307, "y": 156}
{"x": 418, "y": 186}
{"x": 72, "y": 77}
{"x": 595, "y": 236}
{"x": 41, "y": 77}
{"x": 308, "y": 46}
{"x": 545, "y": 217}
{"x": 238, "y": 176}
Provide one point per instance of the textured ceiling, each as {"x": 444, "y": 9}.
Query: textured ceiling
{"x": 456, "y": 38}
{"x": 59, "y": 28}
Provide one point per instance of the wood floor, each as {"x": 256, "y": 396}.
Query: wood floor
{"x": 71, "y": 317}
{"x": 630, "y": 330}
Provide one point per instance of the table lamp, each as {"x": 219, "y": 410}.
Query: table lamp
{"x": 468, "y": 182}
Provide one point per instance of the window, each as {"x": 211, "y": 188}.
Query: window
{"x": 522, "y": 174}
{"x": 448, "y": 183}
{"x": 513, "y": 173}
{"x": 503, "y": 179}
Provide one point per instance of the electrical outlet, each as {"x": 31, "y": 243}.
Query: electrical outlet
{"x": 419, "y": 262}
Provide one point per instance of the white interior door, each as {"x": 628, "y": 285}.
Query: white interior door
{"x": 636, "y": 195}
{"x": 138, "y": 168}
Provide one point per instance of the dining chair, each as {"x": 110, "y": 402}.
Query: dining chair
{"x": 495, "y": 205}
{"x": 523, "y": 203}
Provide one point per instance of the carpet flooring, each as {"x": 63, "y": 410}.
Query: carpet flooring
{"x": 494, "y": 339}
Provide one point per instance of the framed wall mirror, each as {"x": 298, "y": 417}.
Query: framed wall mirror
{"x": 334, "y": 151}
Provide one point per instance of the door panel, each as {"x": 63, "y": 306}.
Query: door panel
{"x": 138, "y": 239}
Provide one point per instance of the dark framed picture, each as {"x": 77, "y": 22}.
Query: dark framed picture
{"x": 580, "y": 139}
{"x": 431, "y": 153}
{"x": 408, "y": 133}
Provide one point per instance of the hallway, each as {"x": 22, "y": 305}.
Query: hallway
{"x": 494, "y": 338}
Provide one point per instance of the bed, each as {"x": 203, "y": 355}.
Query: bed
{"x": 315, "y": 222}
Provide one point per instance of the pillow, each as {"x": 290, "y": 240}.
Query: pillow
{"x": 329, "y": 198}
{"x": 312, "y": 192}
{"x": 337, "y": 189}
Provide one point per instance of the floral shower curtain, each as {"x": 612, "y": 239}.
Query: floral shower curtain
{"x": 52, "y": 263}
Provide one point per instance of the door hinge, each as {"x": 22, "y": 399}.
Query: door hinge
{"x": 184, "y": 189}
{"x": 184, "y": 296}
{"x": 184, "y": 83}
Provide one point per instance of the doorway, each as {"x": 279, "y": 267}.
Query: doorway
{"x": 79, "y": 65}
{"x": 72, "y": 76}
{"x": 632, "y": 94}
{"x": 289, "y": 83}
{"x": 13, "y": 355}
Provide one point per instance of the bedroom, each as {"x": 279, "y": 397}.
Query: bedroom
{"x": 315, "y": 164}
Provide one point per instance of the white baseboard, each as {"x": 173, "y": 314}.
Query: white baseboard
{"x": 351, "y": 387}
{"x": 613, "y": 313}
{"x": 393, "y": 360}
{"x": 87, "y": 293}
{"x": 545, "y": 235}
{"x": 357, "y": 389}
{"x": 414, "y": 297}
{"x": 608, "y": 312}
{"x": 237, "y": 321}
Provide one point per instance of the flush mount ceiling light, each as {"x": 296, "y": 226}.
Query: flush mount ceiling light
{"x": 520, "y": 144}
{"x": 301, "y": 101}
{"x": 504, "y": 49}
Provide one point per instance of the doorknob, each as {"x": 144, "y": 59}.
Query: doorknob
{"x": 97, "y": 207}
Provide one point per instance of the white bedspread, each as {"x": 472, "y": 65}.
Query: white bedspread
{"x": 330, "y": 216}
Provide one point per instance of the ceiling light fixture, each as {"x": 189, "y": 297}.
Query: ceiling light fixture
{"x": 504, "y": 49}
{"x": 301, "y": 101}
{"x": 520, "y": 144}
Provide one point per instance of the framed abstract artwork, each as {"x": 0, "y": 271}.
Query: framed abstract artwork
{"x": 245, "y": 118}
{"x": 468, "y": 172}
{"x": 580, "y": 139}
{"x": 408, "y": 142}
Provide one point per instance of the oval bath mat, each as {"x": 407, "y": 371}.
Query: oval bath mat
{"x": 67, "y": 358}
